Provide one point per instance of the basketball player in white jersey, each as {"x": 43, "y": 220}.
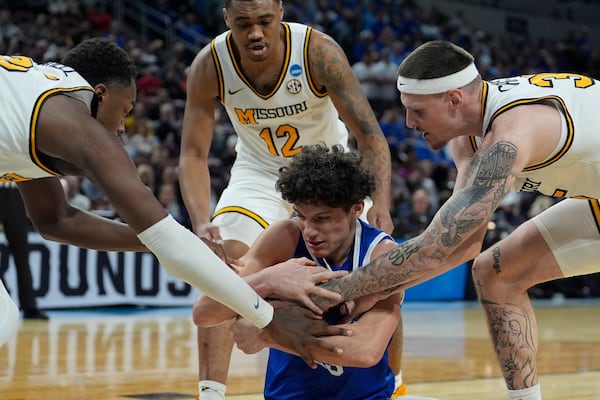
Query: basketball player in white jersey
{"x": 283, "y": 85}
{"x": 528, "y": 133}
{"x": 56, "y": 121}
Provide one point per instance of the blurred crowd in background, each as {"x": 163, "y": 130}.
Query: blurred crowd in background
{"x": 375, "y": 34}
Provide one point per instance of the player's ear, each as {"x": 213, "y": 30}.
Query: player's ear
{"x": 100, "y": 91}
{"x": 226, "y": 18}
{"x": 358, "y": 208}
{"x": 454, "y": 97}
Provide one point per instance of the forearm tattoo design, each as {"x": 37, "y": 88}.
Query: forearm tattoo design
{"x": 459, "y": 217}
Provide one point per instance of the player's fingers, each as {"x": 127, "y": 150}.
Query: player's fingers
{"x": 332, "y": 330}
{"x": 327, "y": 294}
{"x": 308, "y": 359}
{"x": 307, "y": 262}
{"x": 331, "y": 348}
{"x": 308, "y": 303}
{"x": 326, "y": 275}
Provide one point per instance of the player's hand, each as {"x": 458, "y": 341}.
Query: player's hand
{"x": 380, "y": 218}
{"x": 248, "y": 337}
{"x": 295, "y": 328}
{"x": 353, "y": 309}
{"x": 211, "y": 232}
{"x": 297, "y": 279}
{"x": 219, "y": 250}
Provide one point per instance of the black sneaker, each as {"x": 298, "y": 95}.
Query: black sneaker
{"x": 36, "y": 313}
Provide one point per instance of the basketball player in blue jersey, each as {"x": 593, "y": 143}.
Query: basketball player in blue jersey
{"x": 283, "y": 86}
{"x": 56, "y": 121}
{"x": 527, "y": 133}
{"x": 326, "y": 188}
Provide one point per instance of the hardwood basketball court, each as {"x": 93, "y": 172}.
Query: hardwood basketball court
{"x": 150, "y": 354}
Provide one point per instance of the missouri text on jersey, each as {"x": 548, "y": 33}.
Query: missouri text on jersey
{"x": 250, "y": 116}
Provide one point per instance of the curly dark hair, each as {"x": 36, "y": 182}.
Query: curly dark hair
{"x": 100, "y": 60}
{"x": 322, "y": 176}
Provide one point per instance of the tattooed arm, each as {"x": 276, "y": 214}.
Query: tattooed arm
{"x": 331, "y": 72}
{"x": 453, "y": 237}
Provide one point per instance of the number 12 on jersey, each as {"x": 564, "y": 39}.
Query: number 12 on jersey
{"x": 288, "y": 148}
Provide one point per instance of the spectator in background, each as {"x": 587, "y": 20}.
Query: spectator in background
{"x": 147, "y": 175}
{"x": 413, "y": 221}
{"x": 385, "y": 75}
{"x": 367, "y": 76}
{"x": 167, "y": 195}
{"x": 150, "y": 81}
{"x": 393, "y": 125}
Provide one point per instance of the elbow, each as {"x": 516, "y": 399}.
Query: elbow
{"x": 368, "y": 354}
{"x": 49, "y": 231}
{"x": 368, "y": 358}
{"x": 202, "y": 317}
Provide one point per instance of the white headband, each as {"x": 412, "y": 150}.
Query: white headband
{"x": 438, "y": 85}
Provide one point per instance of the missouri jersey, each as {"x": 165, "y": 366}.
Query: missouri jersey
{"x": 26, "y": 86}
{"x": 573, "y": 170}
{"x": 273, "y": 127}
{"x": 288, "y": 377}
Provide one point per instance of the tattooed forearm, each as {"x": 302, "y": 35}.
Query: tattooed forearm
{"x": 467, "y": 209}
{"x": 435, "y": 250}
{"x": 493, "y": 169}
{"x": 389, "y": 271}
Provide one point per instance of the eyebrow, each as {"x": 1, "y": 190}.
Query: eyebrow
{"x": 263, "y": 16}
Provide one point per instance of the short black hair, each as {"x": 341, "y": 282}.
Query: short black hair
{"x": 99, "y": 60}
{"x": 435, "y": 59}
{"x": 319, "y": 175}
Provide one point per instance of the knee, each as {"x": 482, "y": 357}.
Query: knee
{"x": 486, "y": 274}
{"x": 481, "y": 269}
{"x": 492, "y": 277}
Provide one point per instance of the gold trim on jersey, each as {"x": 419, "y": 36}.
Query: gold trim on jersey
{"x": 595, "y": 209}
{"x": 484, "y": 94}
{"x": 243, "y": 211}
{"x": 570, "y": 128}
{"x": 309, "y": 79}
{"x": 568, "y": 118}
{"x": 215, "y": 57}
{"x": 282, "y": 73}
{"x": 34, "y": 121}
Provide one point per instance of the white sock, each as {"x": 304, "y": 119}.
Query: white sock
{"x": 211, "y": 390}
{"x": 531, "y": 393}
{"x": 398, "y": 380}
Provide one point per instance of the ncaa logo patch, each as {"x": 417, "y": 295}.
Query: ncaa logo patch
{"x": 295, "y": 70}
{"x": 293, "y": 86}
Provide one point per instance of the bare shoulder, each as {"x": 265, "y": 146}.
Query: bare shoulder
{"x": 275, "y": 244}
{"x": 383, "y": 247}
{"x": 202, "y": 71}
{"x": 533, "y": 130}
{"x": 328, "y": 63}
{"x": 283, "y": 227}
{"x": 281, "y": 235}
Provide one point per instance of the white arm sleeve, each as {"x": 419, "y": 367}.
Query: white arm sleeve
{"x": 184, "y": 256}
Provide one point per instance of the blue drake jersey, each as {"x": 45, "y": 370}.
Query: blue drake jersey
{"x": 288, "y": 377}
